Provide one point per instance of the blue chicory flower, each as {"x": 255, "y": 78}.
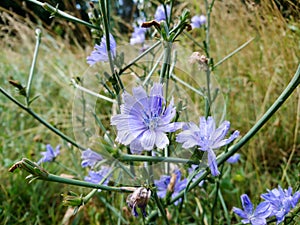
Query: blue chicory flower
{"x": 144, "y": 120}
{"x": 234, "y": 158}
{"x": 98, "y": 176}
{"x": 198, "y": 21}
{"x": 160, "y": 13}
{"x": 171, "y": 183}
{"x": 207, "y": 138}
{"x": 249, "y": 215}
{"x": 90, "y": 158}
{"x": 138, "y": 36}
{"x": 281, "y": 201}
{"x": 49, "y": 155}
{"x": 100, "y": 52}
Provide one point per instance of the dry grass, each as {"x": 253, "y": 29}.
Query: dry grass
{"x": 251, "y": 80}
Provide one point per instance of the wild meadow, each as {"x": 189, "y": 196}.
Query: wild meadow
{"x": 104, "y": 127}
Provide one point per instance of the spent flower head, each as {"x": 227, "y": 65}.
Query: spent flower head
{"x": 281, "y": 201}
{"x": 90, "y": 158}
{"x": 49, "y": 155}
{"x": 249, "y": 215}
{"x": 197, "y": 21}
{"x": 100, "y": 52}
{"x": 139, "y": 199}
{"x": 207, "y": 138}
{"x": 144, "y": 120}
{"x": 160, "y": 13}
{"x": 172, "y": 184}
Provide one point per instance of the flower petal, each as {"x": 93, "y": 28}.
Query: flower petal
{"x": 148, "y": 139}
{"x": 212, "y": 163}
{"x": 240, "y": 213}
{"x": 226, "y": 141}
{"x": 247, "y": 205}
{"x": 161, "y": 140}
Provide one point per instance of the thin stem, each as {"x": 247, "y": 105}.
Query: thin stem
{"x": 207, "y": 50}
{"x": 153, "y": 69}
{"x": 193, "y": 40}
{"x": 224, "y": 207}
{"x": 139, "y": 57}
{"x": 59, "y": 179}
{"x": 41, "y": 120}
{"x": 103, "y": 6}
{"x": 38, "y": 34}
{"x": 143, "y": 158}
{"x": 56, "y": 12}
{"x": 187, "y": 85}
{"x": 166, "y": 62}
{"x": 160, "y": 207}
{"x": 270, "y": 112}
{"x": 233, "y": 53}
{"x": 91, "y": 92}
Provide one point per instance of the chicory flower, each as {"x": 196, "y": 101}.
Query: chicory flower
{"x": 198, "y": 21}
{"x": 49, "y": 155}
{"x": 234, "y": 158}
{"x": 99, "y": 176}
{"x": 207, "y": 138}
{"x": 100, "y": 52}
{"x": 138, "y": 36}
{"x": 90, "y": 158}
{"x": 160, "y": 13}
{"x": 172, "y": 184}
{"x": 249, "y": 215}
{"x": 144, "y": 120}
{"x": 281, "y": 201}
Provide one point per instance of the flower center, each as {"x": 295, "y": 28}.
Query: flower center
{"x": 152, "y": 123}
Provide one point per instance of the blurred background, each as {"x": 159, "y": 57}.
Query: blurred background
{"x": 250, "y": 80}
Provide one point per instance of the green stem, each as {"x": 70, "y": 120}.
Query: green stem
{"x": 187, "y": 85}
{"x": 41, "y": 120}
{"x": 207, "y": 50}
{"x": 103, "y": 6}
{"x": 270, "y": 112}
{"x": 139, "y": 57}
{"x": 166, "y": 62}
{"x": 143, "y": 158}
{"x": 59, "y": 179}
{"x": 233, "y": 53}
{"x": 233, "y": 149}
{"x": 193, "y": 40}
{"x": 224, "y": 207}
{"x": 160, "y": 207}
{"x": 38, "y": 34}
{"x": 56, "y": 12}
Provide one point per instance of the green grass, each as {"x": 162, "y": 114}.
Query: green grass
{"x": 250, "y": 80}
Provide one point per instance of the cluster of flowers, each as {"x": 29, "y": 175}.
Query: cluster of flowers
{"x": 144, "y": 121}
{"x": 278, "y": 203}
{"x": 138, "y": 36}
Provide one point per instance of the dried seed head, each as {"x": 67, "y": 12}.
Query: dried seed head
{"x": 139, "y": 198}
{"x": 202, "y": 60}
